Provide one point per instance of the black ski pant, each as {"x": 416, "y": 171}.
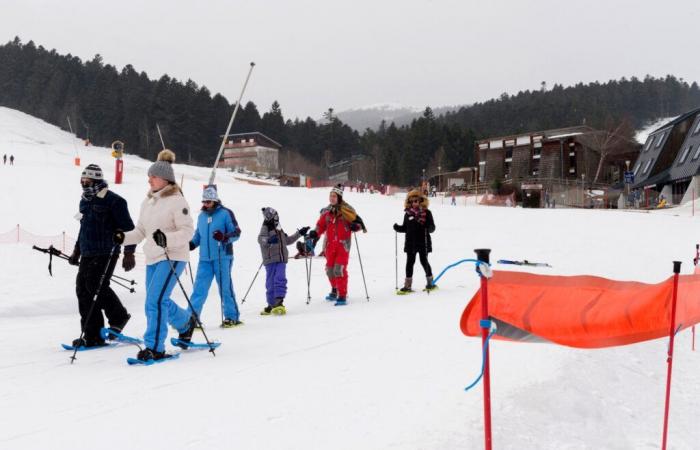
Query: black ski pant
{"x": 86, "y": 284}
{"x": 411, "y": 261}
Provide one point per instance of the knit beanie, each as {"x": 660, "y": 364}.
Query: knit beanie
{"x": 210, "y": 195}
{"x": 163, "y": 167}
{"x": 270, "y": 215}
{"x": 338, "y": 189}
{"x": 93, "y": 172}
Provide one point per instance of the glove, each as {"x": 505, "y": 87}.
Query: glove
{"x": 160, "y": 239}
{"x": 355, "y": 227}
{"x": 313, "y": 235}
{"x": 128, "y": 262}
{"x": 74, "y": 258}
{"x": 118, "y": 237}
{"x": 273, "y": 240}
{"x": 303, "y": 230}
{"x": 396, "y": 227}
{"x": 192, "y": 246}
{"x": 219, "y": 236}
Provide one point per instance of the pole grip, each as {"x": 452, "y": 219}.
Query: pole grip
{"x": 483, "y": 254}
{"x": 676, "y": 267}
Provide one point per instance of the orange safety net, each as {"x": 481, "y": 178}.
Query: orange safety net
{"x": 582, "y": 311}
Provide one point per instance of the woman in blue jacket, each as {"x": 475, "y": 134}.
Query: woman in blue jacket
{"x": 216, "y": 231}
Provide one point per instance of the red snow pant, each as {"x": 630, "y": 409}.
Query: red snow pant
{"x": 337, "y": 258}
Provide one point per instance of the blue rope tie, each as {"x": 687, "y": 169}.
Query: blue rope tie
{"x": 492, "y": 326}
{"x": 475, "y": 261}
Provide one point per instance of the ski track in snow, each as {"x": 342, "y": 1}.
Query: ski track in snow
{"x": 388, "y": 373}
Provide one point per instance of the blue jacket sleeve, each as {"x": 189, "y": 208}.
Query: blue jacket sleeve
{"x": 233, "y": 232}
{"x": 195, "y": 236}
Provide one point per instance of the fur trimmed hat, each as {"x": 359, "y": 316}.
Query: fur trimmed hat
{"x": 270, "y": 215}
{"x": 163, "y": 167}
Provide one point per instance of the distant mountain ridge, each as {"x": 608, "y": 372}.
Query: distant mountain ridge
{"x": 371, "y": 116}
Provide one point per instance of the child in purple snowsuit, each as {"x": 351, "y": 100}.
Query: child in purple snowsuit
{"x": 273, "y": 246}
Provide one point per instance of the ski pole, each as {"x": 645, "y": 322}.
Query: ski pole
{"x": 251, "y": 283}
{"x": 94, "y": 300}
{"x": 189, "y": 303}
{"x": 359, "y": 256}
{"x": 307, "y": 264}
{"x": 230, "y": 123}
{"x": 189, "y": 266}
{"x": 221, "y": 289}
{"x": 396, "y": 259}
{"x": 131, "y": 282}
{"x": 130, "y": 289}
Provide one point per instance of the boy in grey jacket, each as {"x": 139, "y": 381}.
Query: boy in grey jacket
{"x": 273, "y": 246}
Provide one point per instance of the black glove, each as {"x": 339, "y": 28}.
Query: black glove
{"x": 118, "y": 237}
{"x": 355, "y": 227}
{"x": 303, "y": 230}
{"x": 396, "y": 227}
{"x": 74, "y": 258}
{"x": 313, "y": 235}
{"x": 128, "y": 261}
{"x": 219, "y": 236}
{"x": 159, "y": 237}
{"x": 192, "y": 246}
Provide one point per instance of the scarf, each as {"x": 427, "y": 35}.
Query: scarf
{"x": 419, "y": 213}
{"x": 89, "y": 192}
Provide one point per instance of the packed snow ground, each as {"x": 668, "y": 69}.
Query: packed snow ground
{"x": 388, "y": 373}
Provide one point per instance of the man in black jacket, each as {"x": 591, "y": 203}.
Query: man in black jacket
{"x": 102, "y": 212}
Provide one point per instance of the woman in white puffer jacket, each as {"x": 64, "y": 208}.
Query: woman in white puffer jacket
{"x": 165, "y": 224}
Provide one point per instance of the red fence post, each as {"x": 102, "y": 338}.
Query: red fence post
{"x": 672, "y": 335}
{"x": 483, "y": 255}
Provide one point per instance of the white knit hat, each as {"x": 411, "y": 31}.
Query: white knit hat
{"x": 210, "y": 195}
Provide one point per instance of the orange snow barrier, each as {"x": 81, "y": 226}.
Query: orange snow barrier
{"x": 582, "y": 311}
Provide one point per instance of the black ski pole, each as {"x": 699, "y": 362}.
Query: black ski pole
{"x": 221, "y": 289}
{"x": 189, "y": 303}
{"x": 189, "y": 267}
{"x": 126, "y": 280}
{"x": 94, "y": 300}
{"x": 251, "y": 284}
{"x": 396, "y": 259}
{"x": 307, "y": 264}
{"x": 359, "y": 256}
{"x": 130, "y": 289}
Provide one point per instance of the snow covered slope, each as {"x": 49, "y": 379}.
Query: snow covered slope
{"x": 387, "y": 373}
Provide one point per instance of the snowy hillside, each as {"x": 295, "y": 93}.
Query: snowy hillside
{"x": 388, "y": 373}
{"x": 644, "y": 132}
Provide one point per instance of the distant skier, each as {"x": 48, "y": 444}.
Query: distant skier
{"x": 418, "y": 223}
{"x": 102, "y": 212}
{"x": 338, "y": 221}
{"x": 273, "y": 246}
{"x": 217, "y": 230}
{"x": 4, "y": 159}
{"x": 454, "y": 198}
{"x": 166, "y": 225}
{"x": 12, "y": 160}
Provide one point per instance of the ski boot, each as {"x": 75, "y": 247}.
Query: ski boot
{"x": 333, "y": 296}
{"x": 231, "y": 323}
{"x": 88, "y": 342}
{"x": 430, "y": 286}
{"x": 406, "y": 289}
{"x": 342, "y": 301}
{"x": 147, "y": 354}
{"x": 279, "y": 308}
{"x": 266, "y": 311}
{"x": 117, "y": 328}
{"x": 186, "y": 336}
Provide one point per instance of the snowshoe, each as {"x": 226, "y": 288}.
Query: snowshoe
{"x": 88, "y": 343}
{"x": 230, "y": 323}
{"x": 404, "y": 291}
{"x": 116, "y": 329}
{"x": 149, "y": 357}
{"x": 109, "y": 334}
{"x": 279, "y": 310}
{"x": 266, "y": 311}
{"x": 333, "y": 296}
{"x": 186, "y": 336}
{"x": 342, "y": 301}
{"x": 430, "y": 288}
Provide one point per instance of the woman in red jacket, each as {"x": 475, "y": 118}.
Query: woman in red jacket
{"x": 338, "y": 220}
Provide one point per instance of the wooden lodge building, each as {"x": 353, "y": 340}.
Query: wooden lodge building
{"x": 252, "y": 151}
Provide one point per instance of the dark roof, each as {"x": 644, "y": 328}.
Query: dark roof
{"x": 255, "y": 135}
{"x": 677, "y": 120}
{"x": 660, "y": 178}
{"x": 690, "y": 149}
{"x": 652, "y": 149}
{"x": 555, "y": 133}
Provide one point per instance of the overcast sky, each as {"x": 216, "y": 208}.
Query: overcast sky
{"x": 312, "y": 55}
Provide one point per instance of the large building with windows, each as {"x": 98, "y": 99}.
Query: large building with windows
{"x": 669, "y": 161}
{"x": 251, "y": 151}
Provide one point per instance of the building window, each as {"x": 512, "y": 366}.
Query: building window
{"x": 506, "y": 169}
{"x": 536, "y": 153}
{"x": 660, "y": 139}
{"x": 647, "y": 166}
{"x": 697, "y": 127}
{"x": 637, "y": 166}
{"x": 482, "y": 170}
{"x": 684, "y": 155}
{"x": 650, "y": 141}
{"x": 509, "y": 153}
{"x": 697, "y": 153}
{"x": 535, "y": 167}
{"x": 572, "y": 163}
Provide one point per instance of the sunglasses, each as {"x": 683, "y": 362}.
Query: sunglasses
{"x": 415, "y": 200}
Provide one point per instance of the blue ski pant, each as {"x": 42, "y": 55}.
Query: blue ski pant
{"x": 160, "y": 309}
{"x": 275, "y": 282}
{"x": 207, "y": 271}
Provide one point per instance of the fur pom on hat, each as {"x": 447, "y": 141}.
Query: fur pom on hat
{"x": 163, "y": 168}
